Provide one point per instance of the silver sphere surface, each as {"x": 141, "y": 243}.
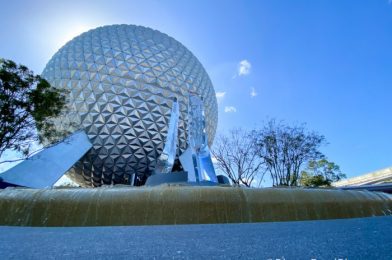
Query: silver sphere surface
{"x": 121, "y": 81}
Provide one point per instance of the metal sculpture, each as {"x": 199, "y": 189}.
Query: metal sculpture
{"x": 166, "y": 159}
{"x": 44, "y": 169}
{"x": 196, "y": 160}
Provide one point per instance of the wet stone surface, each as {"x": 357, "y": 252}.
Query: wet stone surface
{"x": 362, "y": 238}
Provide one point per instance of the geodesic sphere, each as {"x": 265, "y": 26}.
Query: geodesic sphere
{"x": 122, "y": 80}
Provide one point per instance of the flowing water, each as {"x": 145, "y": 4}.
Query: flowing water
{"x": 183, "y": 205}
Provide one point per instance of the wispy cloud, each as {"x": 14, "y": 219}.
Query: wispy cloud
{"x": 230, "y": 109}
{"x": 253, "y": 92}
{"x": 220, "y": 94}
{"x": 244, "y": 68}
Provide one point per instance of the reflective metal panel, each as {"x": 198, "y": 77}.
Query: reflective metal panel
{"x": 196, "y": 160}
{"x": 45, "y": 168}
{"x": 189, "y": 163}
{"x": 166, "y": 159}
{"x": 207, "y": 171}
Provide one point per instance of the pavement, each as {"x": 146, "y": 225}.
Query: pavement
{"x": 361, "y": 238}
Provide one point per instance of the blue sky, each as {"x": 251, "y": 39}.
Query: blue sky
{"x": 325, "y": 63}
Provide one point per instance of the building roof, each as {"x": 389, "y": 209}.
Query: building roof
{"x": 376, "y": 177}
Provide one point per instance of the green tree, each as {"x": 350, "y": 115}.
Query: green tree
{"x": 321, "y": 173}
{"x": 27, "y": 106}
{"x": 286, "y": 149}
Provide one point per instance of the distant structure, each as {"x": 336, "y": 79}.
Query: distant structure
{"x": 380, "y": 180}
{"x": 122, "y": 80}
{"x": 143, "y": 106}
{"x": 378, "y": 177}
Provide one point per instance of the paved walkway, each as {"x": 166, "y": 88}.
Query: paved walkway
{"x": 366, "y": 238}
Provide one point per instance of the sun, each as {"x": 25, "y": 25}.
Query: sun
{"x": 74, "y": 31}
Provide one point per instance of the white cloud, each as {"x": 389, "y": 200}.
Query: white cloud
{"x": 230, "y": 109}
{"x": 244, "y": 68}
{"x": 253, "y": 92}
{"x": 220, "y": 95}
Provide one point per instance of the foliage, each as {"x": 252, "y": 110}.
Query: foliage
{"x": 236, "y": 157}
{"x": 321, "y": 173}
{"x": 285, "y": 149}
{"x": 27, "y": 106}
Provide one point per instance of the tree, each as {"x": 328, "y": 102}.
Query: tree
{"x": 285, "y": 149}
{"x": 321, "y": 173}
{"x": 27, "y": 106}
{"x": 236, "y": 157}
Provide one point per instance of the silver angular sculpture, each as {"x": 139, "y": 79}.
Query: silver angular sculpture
{"x": 196, "y": 160}
{"x": 165, "y": 161}
{"x": 44, "y": 169}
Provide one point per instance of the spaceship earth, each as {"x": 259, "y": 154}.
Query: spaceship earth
{"x": 121, "y": 81}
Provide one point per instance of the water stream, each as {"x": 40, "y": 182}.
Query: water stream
{"x": 183, "y": 205}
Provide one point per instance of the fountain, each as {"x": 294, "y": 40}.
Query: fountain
{"x": 177, "y": 204}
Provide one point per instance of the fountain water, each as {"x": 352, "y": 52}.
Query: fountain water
{"x": 175, "y": 204}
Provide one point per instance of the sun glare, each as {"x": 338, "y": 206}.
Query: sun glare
{"x": 74, "y": 31}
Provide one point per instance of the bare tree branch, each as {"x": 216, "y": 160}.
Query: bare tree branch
{"x": 285, "y": 149}
{"x": 237, "y": 158}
